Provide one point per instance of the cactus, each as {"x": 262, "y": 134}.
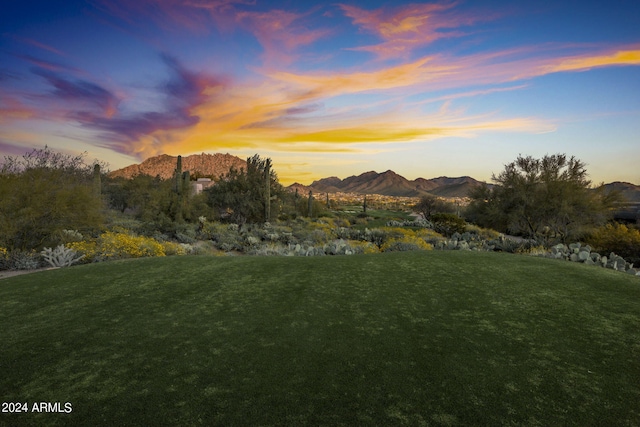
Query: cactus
{"x": 364, "y": 204}
{"x": 310, "y": 204}
{"x": 61, "y": 256}
{"x": 97, "y": 180}
{"x": 267, "y": 190}
{"x": 186, "y": 182}
{"x": 177, "y": 176}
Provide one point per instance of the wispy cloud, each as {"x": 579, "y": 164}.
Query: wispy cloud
{"x": 12, "y": 108}
{"x": 40, "y": 45}
{"x": 405, "y": 28}
{"x": 588, "y": 61}
{"x": 280, "y": 33}
{"x": 139, "y": 132}
{"x": 81, "y": 93}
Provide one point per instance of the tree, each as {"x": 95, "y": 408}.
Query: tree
{"x": 541, "y": 199}
{"x": 429, "y": 205}
{"x": 247, "y": 196}
{"x": 43, "y": 193}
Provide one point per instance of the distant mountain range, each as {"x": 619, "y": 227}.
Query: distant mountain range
{"x": 386, "y": 183}
{"x": 164, "y": 165}
{"x": 630, "y": 192}
{"x": 390, "y": 183}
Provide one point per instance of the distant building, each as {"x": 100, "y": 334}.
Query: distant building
{"x": 201, "y": 184}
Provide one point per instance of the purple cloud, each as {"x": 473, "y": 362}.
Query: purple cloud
{"x": 183, "y": 92}
{"x": 84, "y": 92}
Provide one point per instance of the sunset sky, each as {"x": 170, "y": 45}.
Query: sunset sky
{"x": 326, "y": 88}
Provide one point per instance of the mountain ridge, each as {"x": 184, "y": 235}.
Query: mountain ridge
{"x": 164, "y": 165}
{"x": 388, "y": 183}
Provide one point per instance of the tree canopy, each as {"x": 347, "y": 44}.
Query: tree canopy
{"x": 243, "y": 194}
{"x": 43, "y": 193}
{"x": 541, "y": 199}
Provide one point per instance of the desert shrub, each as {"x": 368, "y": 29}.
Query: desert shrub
{"x": 376, "y": 236}
{"x": 361, "y": 247}
{"x": 347, "y": 233}
{"x": 430, "y": 236}
{"x": 447, "y": 224}
{"x": 484, "y": 233}
{"x": 118, "y": 245}
{"x": 618, "y": 238}
{"x": 87, "y": 248}
{"x": 173, "y": 248}
{"x": 4, "y": 259}
{"x": 405, "y": 243}
{"x": 20, "y": 260}
{"x": 514, "y": 246}
{"x": 43, "y": 193}
{"x": 225, "y": 237}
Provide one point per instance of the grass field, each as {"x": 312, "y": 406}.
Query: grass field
{"x": 407, "y": 339}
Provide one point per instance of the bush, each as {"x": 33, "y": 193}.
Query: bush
{"x": 114, "y": 245}
{"x": 172, "y": 248}
{"x": 4, "y": 259}
{"x": 19, "y": 260}
{"x": 405, "y": 243}
{"x": 447, "y": 224}
{"x": 618, "y": 238}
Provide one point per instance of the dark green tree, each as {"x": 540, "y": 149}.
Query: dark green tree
{"x": 43, "y": 193}
{"x": 246, "y": 195}
{"x": 429, "y": 205}
{"x": 548, "y": 198}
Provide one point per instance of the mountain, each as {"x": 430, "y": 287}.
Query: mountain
{"x": 164, "y": 165}
{"x": 630, "y": 192}
{"x": 390, "y": 183}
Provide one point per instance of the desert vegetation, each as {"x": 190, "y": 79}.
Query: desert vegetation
{"x": 60, "y": 210}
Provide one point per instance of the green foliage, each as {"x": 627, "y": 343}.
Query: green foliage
{"x": 117, "y": 245}
{"x": 240, "y": 195}
{"x": 42, "y": 194}
{"x": 429, "y": 205}
{"x": 447, "y": 224}
{"x": 548, "y": 198}
{"x": 18, "y": 259}
{"x": 619, "y": 238}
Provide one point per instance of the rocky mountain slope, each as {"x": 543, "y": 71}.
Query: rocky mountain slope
{"x": 390, "y": 183}
{"x": 386, "y": 183}
{"x": 163, "y": 165}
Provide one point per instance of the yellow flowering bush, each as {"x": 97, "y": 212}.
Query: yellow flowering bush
{"x": 617, "y": 238}
{"x": 87, "y": 248}
{"x": 485, "y": 233}
{"x": 405, "y": 243}
{"x": 116, "y": 245}
{"x": 366, "y": 247}
{"x": 4, "y": 258}
{"x": 172, "y": 248}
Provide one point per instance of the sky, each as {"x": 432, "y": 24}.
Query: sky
{"x": 426, "y": 89}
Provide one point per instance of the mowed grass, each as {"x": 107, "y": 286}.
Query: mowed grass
{"x": 399, "y": 339}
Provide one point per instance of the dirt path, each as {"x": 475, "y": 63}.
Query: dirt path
{"x": 5, "y": 274}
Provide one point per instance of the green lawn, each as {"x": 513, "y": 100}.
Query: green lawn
{"x": 423, "y": 338}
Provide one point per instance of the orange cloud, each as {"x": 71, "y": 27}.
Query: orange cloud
{"x": 586, "y": 62}
{"x": 338, "y": 83}
{"x": 407, "y": 27}
{"x": 13, "y": 109}
{"x": 280, "y": 33}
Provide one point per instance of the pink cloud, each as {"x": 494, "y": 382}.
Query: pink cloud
{"x": 406, "y": 28}
{"x": 280, "y": 33}
{"x": 196, "y": 15}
